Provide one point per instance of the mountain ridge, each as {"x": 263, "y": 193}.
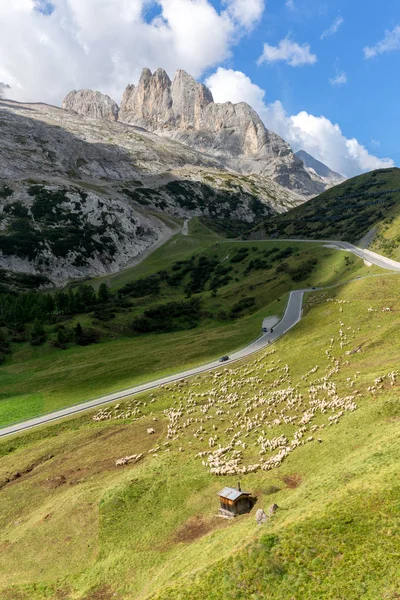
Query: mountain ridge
{"x": 364, "y": 209}
{"x": 184, "y": 110}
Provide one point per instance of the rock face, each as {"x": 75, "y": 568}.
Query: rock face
{"x": 80, "y": 196}
{"x": 184, "y": 110}
{"x": 91, "y": 104}
{"x": 320, "y": 171}
{"x": 3, "y": 89}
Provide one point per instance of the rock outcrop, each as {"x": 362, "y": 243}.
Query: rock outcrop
{"x": 184, "y": 110}
{"x": 91, "y": 104}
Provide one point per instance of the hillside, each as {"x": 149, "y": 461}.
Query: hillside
{"x": 365, "y": 208}
{"x": 81, "y": 197}
{"x": 320, "y": 405}
{"x": 199, "y": 293}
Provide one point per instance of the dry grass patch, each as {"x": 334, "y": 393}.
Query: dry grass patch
{"x": 292, "y": 481}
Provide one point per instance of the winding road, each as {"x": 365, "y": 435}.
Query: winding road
{"x": 292, "y": 316}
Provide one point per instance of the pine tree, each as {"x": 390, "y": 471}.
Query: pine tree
{"x": 79, "y": 335}
{"x": 62, "y": 339}
{"x": 104, "y": 294}
{"x": 38, "y": 334}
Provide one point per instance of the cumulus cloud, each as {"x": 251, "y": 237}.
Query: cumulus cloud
{"x": 72, "y": 44}
{"x": 288, "y": 51}
{"x": 339, "y": 79}
{"x": 246, "y": 12}
{"x": 390, "y": 42}
{"x": 334, "y": 28}
{"x": 316, "y": 135}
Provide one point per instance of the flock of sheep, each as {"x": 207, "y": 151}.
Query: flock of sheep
{"x": 248, "y": 418}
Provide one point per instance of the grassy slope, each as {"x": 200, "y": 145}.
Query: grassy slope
{"x": 75, "y": 526}
{"x": 327, "y": 217}
{"x": 180, "y": 247}
{"x": 39, "y": 380}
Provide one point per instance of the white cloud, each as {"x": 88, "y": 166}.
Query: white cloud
{"x": 72, "y": 44}
{"x": 334, "y": 28}
{"x": 290, "y": 4}
{"x": 390, "y": 42}
{"x": 290, "y": 52}
{"x": 339, "y": 79}
{"x": 246, "y": 12}
{"x": 317, "y": 135}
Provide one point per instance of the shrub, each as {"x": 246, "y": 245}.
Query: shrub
{"x": 172, "y": 316}
{"x": 38, "y": 334}
{"x": 87, "y": 336}
{"x": 142, "y": 287}
{"x": 5, "y": 191}
{"x": 240, "y": 255}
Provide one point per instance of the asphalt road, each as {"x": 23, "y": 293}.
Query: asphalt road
{"x": 292, "y": 316}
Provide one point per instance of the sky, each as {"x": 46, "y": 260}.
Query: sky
{"x": 323, "y": 74}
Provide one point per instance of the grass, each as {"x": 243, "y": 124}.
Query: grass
{"x": 179, "y": 247}
{"x": 75, "y": 526}
{"x": 38, "y": 380}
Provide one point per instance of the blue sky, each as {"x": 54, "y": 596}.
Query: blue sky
{"x": 367, "y": 106}
{"x": 335, "y": 94}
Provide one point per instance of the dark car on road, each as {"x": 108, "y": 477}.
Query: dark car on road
{"x": 264, "y": 330}
{"x": 224, "y": 358}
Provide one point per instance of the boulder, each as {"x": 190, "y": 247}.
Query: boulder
{"x": 261, "y": 517}
{"x": 272, "y": 510}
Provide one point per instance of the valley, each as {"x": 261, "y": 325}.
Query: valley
{"x": 188, "y": 304}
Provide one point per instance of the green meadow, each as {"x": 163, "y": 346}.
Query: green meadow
{"x": 75, "y": 526}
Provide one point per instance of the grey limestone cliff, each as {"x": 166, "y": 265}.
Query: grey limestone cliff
{"x": 184, "y": 110}
{"x": 91, "y": 104}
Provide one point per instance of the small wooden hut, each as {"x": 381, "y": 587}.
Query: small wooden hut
{"x": 234, "y": 502}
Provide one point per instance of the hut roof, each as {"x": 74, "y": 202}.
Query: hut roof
{"x": 232, "y": 493}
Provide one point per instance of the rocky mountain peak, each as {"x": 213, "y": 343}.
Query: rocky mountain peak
{"x": 150, "y": 101}
{"x": 184, "y": 110}
{"x": 91, "y": 104}
{"x": 189, "y": 98}
{"x": 318, "y": 169}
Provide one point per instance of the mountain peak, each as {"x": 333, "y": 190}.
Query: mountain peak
{"x": 322, "y": 171}
{"x": 184, "y": 110}
{"x": 91, "y": 104}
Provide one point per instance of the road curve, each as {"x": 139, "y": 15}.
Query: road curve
{"x": 291, "y": 317}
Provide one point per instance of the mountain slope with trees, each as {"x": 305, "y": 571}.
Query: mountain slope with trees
{"x": 82, "y": 196}
{"x": 365, "y": 208}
